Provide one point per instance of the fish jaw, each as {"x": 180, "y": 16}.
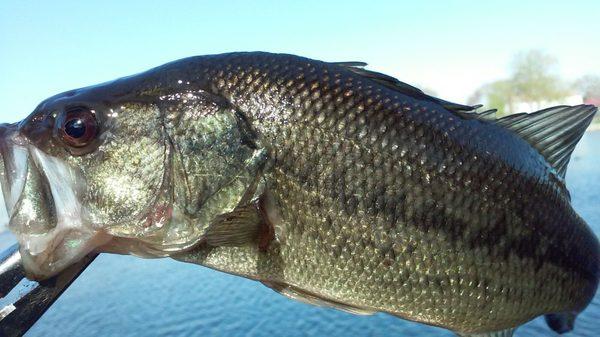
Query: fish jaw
{"x": 13, "y": 171}
{"x": 41, "y": 205}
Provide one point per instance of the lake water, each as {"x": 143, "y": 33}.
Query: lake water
{"x": 127, "y": 296}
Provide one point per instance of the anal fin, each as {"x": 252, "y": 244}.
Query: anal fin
{"x": 501, "y": 333}
{"x": 561, "y": 322}
{"x": 314, "y": 299}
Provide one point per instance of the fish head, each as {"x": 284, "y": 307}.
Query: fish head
{"x": 131, "y": 166}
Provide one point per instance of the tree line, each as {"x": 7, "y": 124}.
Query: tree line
{"x": 534, "y": 80}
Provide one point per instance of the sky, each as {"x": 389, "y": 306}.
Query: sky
{"x": 449, "y": 47}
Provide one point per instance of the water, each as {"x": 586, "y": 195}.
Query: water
{"x": 127, "y": 296}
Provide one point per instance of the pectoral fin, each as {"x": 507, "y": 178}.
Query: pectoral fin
{"x": 246, "y": 224}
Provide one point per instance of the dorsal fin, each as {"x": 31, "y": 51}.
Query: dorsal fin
{"x": 554, "y": 132}
{"x": 404, "y": 88}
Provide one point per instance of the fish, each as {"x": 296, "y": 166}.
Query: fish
{"x": 329, "y": 183}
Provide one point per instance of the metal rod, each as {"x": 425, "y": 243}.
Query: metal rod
{"x": 11, "y": 269}
{"x": 23, "y": 314}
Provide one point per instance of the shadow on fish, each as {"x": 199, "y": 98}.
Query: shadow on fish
{"x": 329, "y": 183}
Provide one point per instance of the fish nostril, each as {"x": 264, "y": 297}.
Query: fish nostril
{"x": 70, "y": 93}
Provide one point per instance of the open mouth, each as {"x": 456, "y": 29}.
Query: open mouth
{"x": 13, "y": 171}
{"x": 41, "y": 207}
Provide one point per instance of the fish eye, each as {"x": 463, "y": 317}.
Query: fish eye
{"x": 79, "y": 127}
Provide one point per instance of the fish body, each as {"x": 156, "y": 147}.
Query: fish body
{"x": 329, "y": 183}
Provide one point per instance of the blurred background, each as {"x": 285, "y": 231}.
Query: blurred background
{"x": 515, "y": 56}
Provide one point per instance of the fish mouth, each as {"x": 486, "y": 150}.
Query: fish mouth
{"x": 40, "y": 203}
{"x": 13, "y": 171}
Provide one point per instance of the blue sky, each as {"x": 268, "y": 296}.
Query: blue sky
{"x": 451, "y": 47}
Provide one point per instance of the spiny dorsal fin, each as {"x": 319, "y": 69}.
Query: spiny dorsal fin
{"x": 403, "y": 88}
{"x": 486, "y": 114}
{"x": 554, "y": 132}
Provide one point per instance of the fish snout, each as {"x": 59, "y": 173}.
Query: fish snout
{"x": 7, "y": 129}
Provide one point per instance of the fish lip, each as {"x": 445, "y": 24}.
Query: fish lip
{"x": 13, "y": 169}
